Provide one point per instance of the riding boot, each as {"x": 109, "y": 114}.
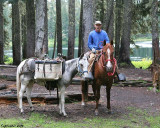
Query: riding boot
{"x": 91, "y": 61}
{"x": 119, "y": 76}
{"x": 90, "y": 76}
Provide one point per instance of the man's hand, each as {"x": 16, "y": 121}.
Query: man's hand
{"x": 93, "y": 50}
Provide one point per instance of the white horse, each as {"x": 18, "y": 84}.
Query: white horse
{"x": 26, "y": 80}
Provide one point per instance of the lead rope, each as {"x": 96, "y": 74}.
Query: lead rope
{"x": 112, "y": 73}
{"x": 115, "y": 63}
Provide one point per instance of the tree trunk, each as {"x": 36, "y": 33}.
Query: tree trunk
{"x": 95, "y": 3}
{"x": 102, "y": 10}
{"x": 16, "y": 42}
{"x": 24, "y": 34}
{"x": 59, "y": 26}
{"x": 80, "y": 31}
{"x": 118, "y": 27}
{"x": 87, "y": 22}
{"x": 41, "y": 30}
{"x": 98, "y": 10}
{"x": 155, "y": 33}
{"x": 1, "y": 34}
{"x": 109, "y": 22}
{"x": 55, "y": 40}
{"x": 155, "y": 41}
{"x": 71, "y": 29}
{"x": 30, "y": 45}
{"x": 46, "y": 28}
{"x": 22, "y": 11}
{"x": 126, "y": 34}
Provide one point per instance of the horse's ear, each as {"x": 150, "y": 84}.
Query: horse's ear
{"x": 104, "y": 42}
{"x": 81, "y": 56}
{"x": 111, "y": 42}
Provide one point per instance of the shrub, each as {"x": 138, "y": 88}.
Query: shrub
{"x": 8, "y": 60}
{"x": 144, "y": 64}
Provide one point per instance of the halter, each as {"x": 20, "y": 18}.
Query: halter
{"x": 115, "y": 63}
{"x": 80, "y": 71}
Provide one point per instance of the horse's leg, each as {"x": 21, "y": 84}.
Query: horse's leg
{"x": 108, "y": 89}
{"x": 28, "y": 90}
{"x": 62, "y": 99}
{"x": 94, "y": 89}
{"x": 59, "y": 95}
{"x": 98, "y": 93}
{"x": 21, "y": 93}
{"x": 84, "y": 89}
{"x": 97, "y": 97}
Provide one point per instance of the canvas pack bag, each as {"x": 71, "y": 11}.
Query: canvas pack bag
{"x": 48, "y": 70}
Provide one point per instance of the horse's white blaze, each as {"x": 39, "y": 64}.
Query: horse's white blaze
{"x": 109, "y": 65}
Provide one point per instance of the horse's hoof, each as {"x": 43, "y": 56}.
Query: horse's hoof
{"x": 32, "y": 109}
{"x": 60, "y": 113}
{"x": 22, "y": 113}
{"x": 154, "y": 90}
{"x": 109, "y": 112}
{"x": 65, "y": 115}
{"x": 83, "y": 104}
{"x": 96, "y": 113}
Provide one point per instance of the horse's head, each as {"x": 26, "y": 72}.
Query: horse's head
{"x": 107, "y": 56}
{"x": 83, "y": 65}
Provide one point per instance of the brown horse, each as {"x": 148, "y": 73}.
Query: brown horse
{"x": 104, "y": 71}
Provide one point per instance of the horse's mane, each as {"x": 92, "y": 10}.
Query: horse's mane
{"x": 70, "y": 62}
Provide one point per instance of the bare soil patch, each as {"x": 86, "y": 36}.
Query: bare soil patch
{"x": 121, "y": 99}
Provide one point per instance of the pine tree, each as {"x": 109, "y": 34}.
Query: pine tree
{"x": 41, "y": 29}
{"x": 71, "y": 29}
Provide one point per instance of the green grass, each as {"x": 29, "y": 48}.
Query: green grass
{"x": 144, "y": 64}
{"x": 151, "y": 89}
{"x": 142, "y": 39}
{"x": 154, "y": 121}
{"x": 136, "y": 118}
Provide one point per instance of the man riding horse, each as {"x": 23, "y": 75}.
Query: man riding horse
{"x": 95, "y": 40}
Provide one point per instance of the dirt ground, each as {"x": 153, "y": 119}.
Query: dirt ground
{"x": 121, "y": 99}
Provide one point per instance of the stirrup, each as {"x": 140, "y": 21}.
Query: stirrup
{"x": 89, "y": 76}
{"x": 121, "y": 77}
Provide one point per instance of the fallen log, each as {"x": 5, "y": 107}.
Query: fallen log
{"x": 3, "y": 86}
{"x": 8, "y": 66}
{"x": 8, "y": 77}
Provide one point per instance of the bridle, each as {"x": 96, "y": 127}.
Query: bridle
{"x": 80, "y": 71}
{"x": 112, "y": 60}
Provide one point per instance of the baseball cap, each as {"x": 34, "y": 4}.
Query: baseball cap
{"x": 97, "y": 22}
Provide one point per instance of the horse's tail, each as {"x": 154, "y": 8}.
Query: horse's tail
{"x": 18, "y": 80}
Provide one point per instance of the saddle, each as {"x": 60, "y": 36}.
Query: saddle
{"x": 120, "y": 76}
{"x": 92, "y": 59}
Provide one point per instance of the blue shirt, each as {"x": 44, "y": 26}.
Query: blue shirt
{"x": 96, "y": 39}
